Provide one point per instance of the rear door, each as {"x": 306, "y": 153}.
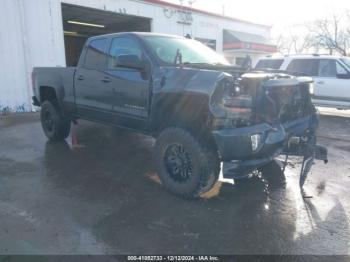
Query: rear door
{"x": 327, "y": 84}
{"x": 93, "y": 98}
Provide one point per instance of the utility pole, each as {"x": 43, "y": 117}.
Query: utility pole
{"x": 191, "y": 2}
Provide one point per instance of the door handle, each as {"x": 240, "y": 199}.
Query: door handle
{"x": 80, "y": 77}
{"x": 320, "y": 82}
{"x": 106, "y": 80}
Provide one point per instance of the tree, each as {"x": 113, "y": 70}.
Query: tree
{"x": 332, "y": 33}
{"x": 294, "y": 39}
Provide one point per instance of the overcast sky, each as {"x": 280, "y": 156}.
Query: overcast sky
{"x": 278, "y": 13}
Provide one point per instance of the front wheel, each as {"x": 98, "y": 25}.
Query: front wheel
{"x": 55, "y": 126}
{"x": 184, "y": 166}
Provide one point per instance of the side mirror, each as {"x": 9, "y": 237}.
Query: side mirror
{"x": 343, "y": 76}
{"x": 129, "y": 61}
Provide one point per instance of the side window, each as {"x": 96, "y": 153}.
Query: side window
{"x": 96, "y": 57}
{"x": 327, "y": 68}
{"x": 305, "y": 66}
{"x": 340, "y": 69}
{"x": 123, "y": 46}
{"x": 269, "y": 63}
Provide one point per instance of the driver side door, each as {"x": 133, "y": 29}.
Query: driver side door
{"x": 131, "y": 87}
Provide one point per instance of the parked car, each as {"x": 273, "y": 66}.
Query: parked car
{"x": 199, "y": 108}
{"x": 331, "y": 76}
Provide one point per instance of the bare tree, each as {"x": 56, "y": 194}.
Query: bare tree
{"x": 331, "y": 34}
{"x": 294, "y": 40}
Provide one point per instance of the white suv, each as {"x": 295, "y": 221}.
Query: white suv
{"x": 331, "y": 75}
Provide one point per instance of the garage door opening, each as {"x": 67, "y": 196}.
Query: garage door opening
{"x": 80, "y": 23}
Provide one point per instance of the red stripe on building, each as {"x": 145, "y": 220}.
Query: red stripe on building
{"x": 251, "y": 46}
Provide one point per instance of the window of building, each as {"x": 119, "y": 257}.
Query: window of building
{"x": 240, "y": 61}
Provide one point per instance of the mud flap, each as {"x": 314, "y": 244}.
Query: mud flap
{"x": 305, "y": 169}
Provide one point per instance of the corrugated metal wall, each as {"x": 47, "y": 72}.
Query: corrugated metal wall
{"x": 31, "y": 34}
{"x": 12, "y": 69}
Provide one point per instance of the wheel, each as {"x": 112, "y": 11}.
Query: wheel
{"x": 184, "y": 166}
{"x": 55, "y": 126}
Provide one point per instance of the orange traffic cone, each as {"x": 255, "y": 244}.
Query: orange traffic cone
{"x": 74, "y": 136}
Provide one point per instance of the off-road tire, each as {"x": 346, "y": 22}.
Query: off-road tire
{"x": 205, "y": 163}
{"x": 56, "y": 127}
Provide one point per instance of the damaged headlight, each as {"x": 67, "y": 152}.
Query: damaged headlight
{"x": 232, "y": 105}
{"x": 233, "y": 97}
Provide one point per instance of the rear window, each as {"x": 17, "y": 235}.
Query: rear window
{"x": 308, "y": 67}
{"x": 269, "y": 63}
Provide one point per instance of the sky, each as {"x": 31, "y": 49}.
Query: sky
{"x": 277, "y": 13}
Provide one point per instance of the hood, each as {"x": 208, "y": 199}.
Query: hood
{"x": 193, "y": 79}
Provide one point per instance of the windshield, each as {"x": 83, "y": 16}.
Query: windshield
{"x": 191, "y": 51}
{"x": 346, "y": 61}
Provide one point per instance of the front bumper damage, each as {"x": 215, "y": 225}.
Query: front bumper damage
{"x": 248, "y": 148}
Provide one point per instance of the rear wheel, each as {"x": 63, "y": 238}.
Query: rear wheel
{"x": 55, "y": 126}
{"x": 184, "y": 166}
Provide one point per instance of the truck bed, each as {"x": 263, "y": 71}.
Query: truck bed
{"x": 60, "y": 78}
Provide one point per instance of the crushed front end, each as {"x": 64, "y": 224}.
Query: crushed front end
{"x": 259, "y": 116}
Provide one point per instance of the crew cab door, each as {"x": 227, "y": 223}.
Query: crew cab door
{"x": 330, "y": 84}
{"x": 130, "y": 86}
{"x": 92, "y": 97}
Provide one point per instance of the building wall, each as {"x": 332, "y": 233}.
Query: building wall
{"x": 32, "y": 35}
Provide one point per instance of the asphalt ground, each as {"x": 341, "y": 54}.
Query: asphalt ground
{"x": 104, "y": 197}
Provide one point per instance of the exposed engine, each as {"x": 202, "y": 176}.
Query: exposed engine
{"x": 261, "y": 97}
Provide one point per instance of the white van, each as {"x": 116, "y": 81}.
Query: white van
{"x": 331, "y": 75}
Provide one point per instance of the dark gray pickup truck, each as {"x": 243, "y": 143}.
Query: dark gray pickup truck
{"x": 201, "y": 110}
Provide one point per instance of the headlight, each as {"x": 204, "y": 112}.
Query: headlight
{"x": 311, "y": 88}
{"x": 256, "y": 141}
{"x": 230, "y": 105}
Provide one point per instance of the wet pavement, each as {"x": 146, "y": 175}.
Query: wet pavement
{"x": 105, "y": 198}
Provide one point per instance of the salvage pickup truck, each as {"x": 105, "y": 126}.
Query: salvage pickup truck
{"x": 201, "y": 110}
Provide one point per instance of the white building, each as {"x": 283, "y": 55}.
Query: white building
{"x": 51, "y": 33}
